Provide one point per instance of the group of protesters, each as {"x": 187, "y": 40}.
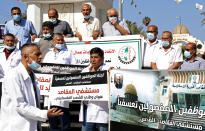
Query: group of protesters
{"x": 20, "y": 98}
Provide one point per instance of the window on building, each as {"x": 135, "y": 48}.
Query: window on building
{"x": 164, "y": 90}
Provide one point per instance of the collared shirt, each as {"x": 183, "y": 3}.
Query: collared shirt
{"x": 45, "y": 45}
{"x": 18, "y": 101}
{"x": 198, "y": 63}
{"x": 87, "y": 29}
{"x": 101, "y": 68}
{"x": 61, "y": 27}
{"x": 110, "y": 30}
{"x": 62, "y": 57}
{"x": 148, "y": 52}
{"x": 7, "y": 54}
{"x": 166, "y": 59}
{"x": 23, "y": 31}
{"x": 11, "y": 62}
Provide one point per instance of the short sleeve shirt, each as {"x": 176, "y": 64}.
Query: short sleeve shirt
{"x": 197, "y": 64}
{"x": 62, "y": 27}
{"x": 166, "y": 59}
{"x": 110, "y": 30}
{"x": 23, "y": 31}
{"x": 87, "y": 29}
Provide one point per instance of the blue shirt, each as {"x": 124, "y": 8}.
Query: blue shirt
{"x": 23, "y": 31}
{"x": 198, "y": 63}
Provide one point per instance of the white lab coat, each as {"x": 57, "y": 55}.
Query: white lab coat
{"x": 62, "y": 57}
{"x": 1, "y": 72}
{"x": 97, "y": 111}
{"x": 18, "y": 108}
{"x": 13, "y": 60}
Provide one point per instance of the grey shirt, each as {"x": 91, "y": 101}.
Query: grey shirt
{"x": 44, "y": 45}
{"x": 61, "y": 27}
{"x": 198, "y": 63}
{"x": 110, "y": 30}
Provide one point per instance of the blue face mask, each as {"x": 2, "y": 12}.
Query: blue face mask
{"x": 150, "y": 36}
{"x": 34, "y": 65}
{"x": 16, "y": 17}
{"x": 165, "y": 43}
{"x": 187, "y": 54}
{"x": 54, "y": 21}
{"x": 112, "y": 18}
{"x": 10, "y": 48}
{"x": 47, "y": 35}
{"x": 60, "y": 46}
{"x": 87, "y": 17}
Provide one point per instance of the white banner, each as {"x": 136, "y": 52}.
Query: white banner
{"x": 44, "y": 83}
{"x": 121, "y": 52}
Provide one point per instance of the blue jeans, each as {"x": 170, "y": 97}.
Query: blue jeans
{"x": 89, "y": 126}
{"x": 60, "y": 123}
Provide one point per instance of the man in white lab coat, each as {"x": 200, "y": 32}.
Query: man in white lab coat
{"x": 10, "y": 57}
{"x": 21, "y": 97}
{"x": 59, "y": 55}
{"x": 94, "y": 114}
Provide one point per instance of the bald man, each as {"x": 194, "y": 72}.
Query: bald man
{"x": 21, "y": 97}
{"x": 60, "y": 27}
{"x": 114, "y": 27}
{"x": 88, "y": 26}
{"x": 149, "y": 45}
{"x": 192, "y": 61}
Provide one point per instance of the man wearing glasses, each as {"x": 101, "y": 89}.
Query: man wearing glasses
{"x": 149, "y": 46}
{"x": 22, "y": 29}
{"x": 167, "y": 56}
{"x": 192, "y": 61}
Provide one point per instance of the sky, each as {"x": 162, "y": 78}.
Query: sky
{"x": 163, "y": 13}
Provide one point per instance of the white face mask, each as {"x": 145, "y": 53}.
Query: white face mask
{"x": 34, "y": 65}
{"x": 54, "y": 20}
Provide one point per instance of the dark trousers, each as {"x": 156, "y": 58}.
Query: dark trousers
{"x": 60, "y": 123}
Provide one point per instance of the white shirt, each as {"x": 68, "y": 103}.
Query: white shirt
{"x": 97, "y": 111}
{"x": 164, "y": 59}
{"x": 62, "y": 57}
{"x": 13, "y": 60}
{"x": 148, "y": 52}
{"x": 86, "y": 29}
{"x": 19, "y": 111}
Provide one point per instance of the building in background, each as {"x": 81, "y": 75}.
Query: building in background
{"x": 69, "y": 10}
{"x": 182, "y": 36}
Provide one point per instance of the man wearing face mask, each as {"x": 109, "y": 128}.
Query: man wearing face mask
{"x": 114, "y": 27}
{"x": 46, "y": 42}
{"x": 21, "y": 97}
{"x": 60, "y": 27}
{"x": 150, "y": 44}
{"x": 167, "y": 56}
{"x": 192, "y": 61}
{"x": 10, "y": 57}
{"x": 59, "y": 55}
{"x": 88, "y": 26}
{"x": 22, "y": 29}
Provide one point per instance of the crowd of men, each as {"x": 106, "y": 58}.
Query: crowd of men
{"x": 20, "y": 96}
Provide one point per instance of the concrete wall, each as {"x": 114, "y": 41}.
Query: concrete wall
{"x": 69, "y": 10}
